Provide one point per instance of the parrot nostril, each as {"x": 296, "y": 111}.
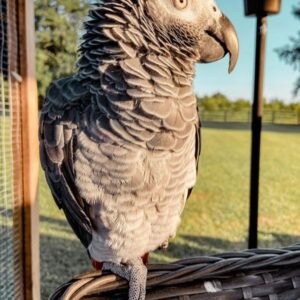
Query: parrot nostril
{"x": 214, "y": 9}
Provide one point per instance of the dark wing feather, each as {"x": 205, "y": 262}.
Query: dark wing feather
{"x": 198, "y": 142}
{"x": 197, "y": 149}
{"x": 58, "y": 128}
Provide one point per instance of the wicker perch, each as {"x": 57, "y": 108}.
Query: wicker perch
{"x": 262, "y": 274}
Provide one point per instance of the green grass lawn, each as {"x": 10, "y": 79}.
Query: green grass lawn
{"x": 216, "y": 216}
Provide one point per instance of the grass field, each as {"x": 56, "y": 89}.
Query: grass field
{"x": 216, "y": 216}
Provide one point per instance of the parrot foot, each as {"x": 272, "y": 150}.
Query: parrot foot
{"x": 135, "y": 272}
{"x": 165, "y": 245}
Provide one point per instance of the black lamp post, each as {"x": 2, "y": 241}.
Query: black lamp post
{"x": 261, "y": 9}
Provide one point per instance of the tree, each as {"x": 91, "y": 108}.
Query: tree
{"x": 58, "y": 24}
{"x": 291, "y": 52}
{"x": 295, "y": 107}
{"x": 217, "y": 101}
{"x": 241, "y": 104}
{"x": 275, "y": 105}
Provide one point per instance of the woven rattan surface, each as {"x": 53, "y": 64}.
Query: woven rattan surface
{"x": 261, "y": 274}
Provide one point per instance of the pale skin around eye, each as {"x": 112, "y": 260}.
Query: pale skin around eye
{"x": 180, "y": 4}
{"x": 188, "y": 11}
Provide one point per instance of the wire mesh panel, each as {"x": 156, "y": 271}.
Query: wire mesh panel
{"x": 11, "y": 191}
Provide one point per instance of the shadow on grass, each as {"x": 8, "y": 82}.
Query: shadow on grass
{"x": 61, "y": 260}
{"x": 277, "y": 240}
{"x": 189, "y": 245}
{"x": 8, "y": 213}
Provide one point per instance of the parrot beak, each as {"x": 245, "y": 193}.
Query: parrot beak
{"x": 231, "y": 42}
{"x": 218, "y": 42}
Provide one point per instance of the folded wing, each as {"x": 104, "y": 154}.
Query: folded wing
{"x": 58, "y": 131}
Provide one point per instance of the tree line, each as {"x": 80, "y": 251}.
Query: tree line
{"x": 219, "y": 101}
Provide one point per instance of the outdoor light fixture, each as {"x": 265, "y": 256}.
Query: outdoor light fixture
{"x": 261, "y": 9}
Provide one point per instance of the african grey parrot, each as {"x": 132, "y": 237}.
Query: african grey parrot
{"x": 120, "y": 140}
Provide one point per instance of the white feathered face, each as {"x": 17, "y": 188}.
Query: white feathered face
{"x": 197, "y": 23}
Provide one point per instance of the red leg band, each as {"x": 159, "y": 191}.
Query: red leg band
{"x": 99, "y": 265}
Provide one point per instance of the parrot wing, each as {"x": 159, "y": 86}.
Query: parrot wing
{"x": 57, "y": 140}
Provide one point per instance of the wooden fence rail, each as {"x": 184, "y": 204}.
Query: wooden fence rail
{"x": 280, "y": 117}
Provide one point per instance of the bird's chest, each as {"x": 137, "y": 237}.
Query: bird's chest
{"x": 109, "y": 173}
{"x": 135, "y": 195}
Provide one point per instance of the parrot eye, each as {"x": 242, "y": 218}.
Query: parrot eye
{"x": 180, "y": 4}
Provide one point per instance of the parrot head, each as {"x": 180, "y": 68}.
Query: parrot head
{"x": 197, "y": 25}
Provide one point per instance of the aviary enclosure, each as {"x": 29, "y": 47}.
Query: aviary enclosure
{"x": 19, "y": 239}
{"x": 257, "y": 274}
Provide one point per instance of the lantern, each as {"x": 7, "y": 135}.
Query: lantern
{"x": 262, "y": 7}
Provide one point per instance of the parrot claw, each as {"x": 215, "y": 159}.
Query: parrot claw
{"x": 165, "y": 245}
{"x": 135, "y": 272}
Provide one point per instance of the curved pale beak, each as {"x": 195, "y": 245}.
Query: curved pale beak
{"x": 219, "y": 41}
{"x": 231, "y": 41}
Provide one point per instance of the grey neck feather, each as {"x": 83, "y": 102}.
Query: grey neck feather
{"x": 120, "y": 30}
{"x": 140, "y": 87}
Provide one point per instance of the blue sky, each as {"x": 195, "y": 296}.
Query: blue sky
{"x": 279, "y": 77}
